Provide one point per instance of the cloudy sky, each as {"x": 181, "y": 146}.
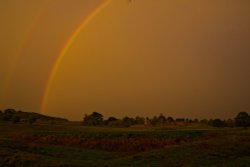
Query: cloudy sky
{"x": 186, "y": 58}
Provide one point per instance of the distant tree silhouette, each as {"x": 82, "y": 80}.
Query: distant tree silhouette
{"x": 93, "y": 119}
{"x": 170, "y": 120}
{"x": 230, "y": 123}
{"x": 8, "y": 114}
{"x": 242, "y": 119}
{"x": 127, "y": 122}
{"x": 112, "y": 121}
{"x": 204, "y": 121}
{"x": 154, "y": 120}
{"x": 147, "y": 121}
{"x": 10, "y": 111}
{"x": 218, "y": 123}
{"x": 139, "y": 120}
{"x": 1, "y": 115}
{"x": 161, "y": 119}
{"x": 196, "y": 120}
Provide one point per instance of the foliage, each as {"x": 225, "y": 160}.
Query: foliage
{"x": 67, "y": 145}
{"x": 230, "y": 123}
{"x": 96, "y": 119}
{"x": 139, "y": 120}
{"x": 242, "y": 119}
{"x": 93, "y": 119}
{"x": 112, "y": 121}
{"x": 127, "y": 122}
{"x": 218, "y": 123}
{"x": 170, "y": 119}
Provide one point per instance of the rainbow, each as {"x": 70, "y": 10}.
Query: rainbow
{"x": 65, "y": 49}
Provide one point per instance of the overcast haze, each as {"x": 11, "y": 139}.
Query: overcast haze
{"x": 185, "y": 58}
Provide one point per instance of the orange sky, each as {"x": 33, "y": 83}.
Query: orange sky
{"x": 187, "y": 58}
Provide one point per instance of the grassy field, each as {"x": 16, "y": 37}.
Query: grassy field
{"x": 74, "y": 145}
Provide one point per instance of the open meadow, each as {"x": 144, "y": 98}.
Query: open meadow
{"x": 71, "y": 144}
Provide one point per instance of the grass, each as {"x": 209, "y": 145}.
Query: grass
{"x": 190, "y": 146}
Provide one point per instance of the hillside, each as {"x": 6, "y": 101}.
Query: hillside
{"x": 30, "y": 117}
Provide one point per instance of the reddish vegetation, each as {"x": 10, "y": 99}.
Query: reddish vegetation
{"x": 107, "y": 144}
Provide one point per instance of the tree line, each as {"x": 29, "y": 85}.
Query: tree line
{"x": 242, "y": 119}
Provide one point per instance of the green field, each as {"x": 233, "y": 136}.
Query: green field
{"x": 72, "y": 144}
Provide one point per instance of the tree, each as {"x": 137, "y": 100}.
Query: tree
{"x": 154, "y": 120}
{"x": 161, "y": 119}
{"x": 1, "y": 115}
{"x": 112, "y": 121}
{"x": 93, "y": 119}
{"x": 218, "y": 123}
{"x": 139, "y": 120}
{"x": 204, "y": 121}
{"x": 170, "y": 119}
{"x": 127, "y": 122}
{"x": 196, "y": 120}
{"x": 8, "y": 114}
{"x": 10, "y": 111}
{"x": 230, "y": 123}
{"x": 242, "y": 119}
